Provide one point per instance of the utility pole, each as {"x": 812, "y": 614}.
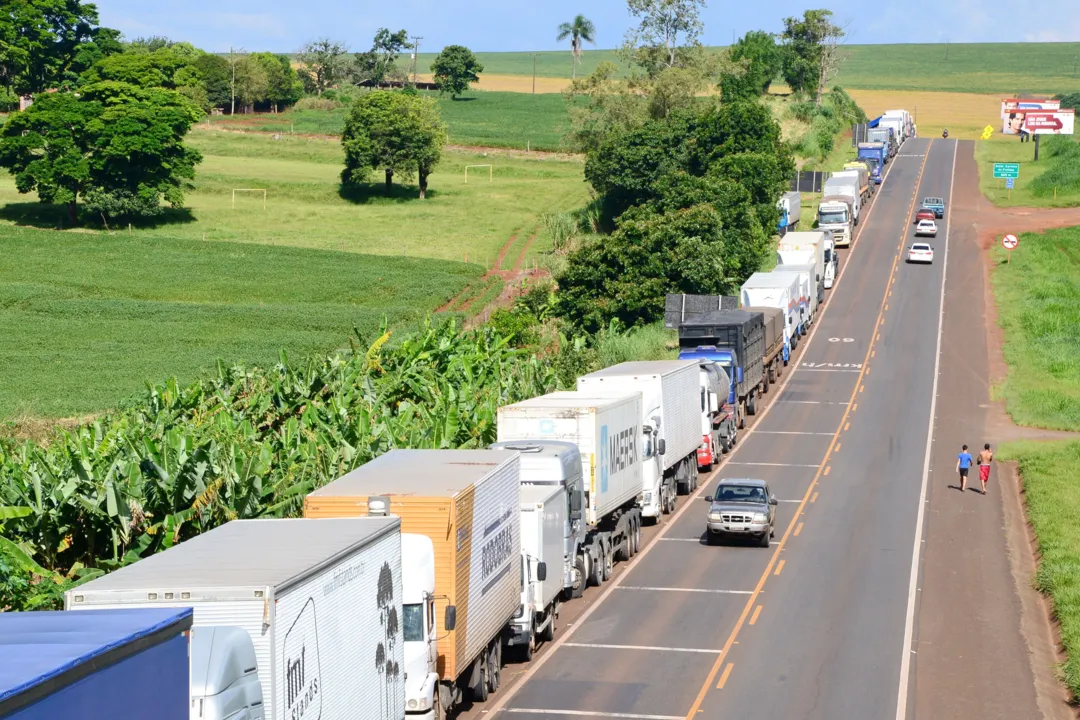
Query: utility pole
{"x": 415, "y": 54}
{"x": 232, "y": 85}
{"x": 534, "y": 73}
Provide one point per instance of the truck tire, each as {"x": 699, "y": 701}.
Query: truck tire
{"x": 764, "y": 382}
{"x": 725, "y": 446}
{"x": 548, "y": 633}
{"x": 764, "y": 542}
{"x": 494, "y": 666}
{"x": 635, "y": 535}
{"x": 622, "y": 550}
{"x": 751, "y": 404}
{"x": 608, "y": 566}
{"x": 578, "y": 589}
{"x": 525, "y": 654}
{"x": 773, "y": 373}
{"x": 596, "y": 576}
{"x": 479, "y": 691}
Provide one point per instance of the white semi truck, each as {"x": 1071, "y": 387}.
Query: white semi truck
{"x": 778, "y": 291}
{"x": 293, "y": 619}
{"x": 670, "y": 392}
{"x": 474, "y": 571}
{"x": 835, "y": 214}
{"x": 605, "y": 520}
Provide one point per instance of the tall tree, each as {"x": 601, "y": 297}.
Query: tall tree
{"x": 215, "y": 76}
{"x": 39, "y": 40}
{"x": 324, "y": 64}
{"x": 251, "y": 82}
{"x": 454, "y": 68}
{"x": 579, "y": 30}
{"x": 812, "y": 52}
{"x": 758, "y": 61}
{"x": 283, "y": 87}
{"x": 380, "y": 62}
{"x": 664, "y": 27}
{"x": 116, "y": 145}
{"x": 393, "y": 132}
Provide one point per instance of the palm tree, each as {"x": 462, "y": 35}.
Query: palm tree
{"x": 580, "y": 30}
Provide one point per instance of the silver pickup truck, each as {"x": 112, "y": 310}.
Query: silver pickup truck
{"x": 742, "y": 507}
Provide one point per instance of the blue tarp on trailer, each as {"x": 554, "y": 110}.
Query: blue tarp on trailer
{"x": 874, "y": 123}
{"x": 95, "y": 664}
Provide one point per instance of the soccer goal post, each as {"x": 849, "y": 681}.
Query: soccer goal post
{"x": 491, "y": 175}
{"x": 248, "y": 190}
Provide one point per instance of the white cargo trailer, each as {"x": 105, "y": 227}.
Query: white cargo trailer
{"x": 467, "y": 503}
{"x": 543, "y": 518}
{"x": 609, "y": 436}
{"x": 783, "y": 292}
{"x": 670, "y": 392}
{"x": 811, "y": 286}
{"x": 314, "y": 599}
{"x": 803, "y": 248}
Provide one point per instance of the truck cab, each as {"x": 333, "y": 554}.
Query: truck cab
{"x": 418, "y": 608}
{"x": 834, "y": 215}
{"x": 725, "y": 358}
{"x": 224, "y": 675}
{"x": 830, "y": 261}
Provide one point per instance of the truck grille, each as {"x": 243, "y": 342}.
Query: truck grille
{"x": 729, "y": 518}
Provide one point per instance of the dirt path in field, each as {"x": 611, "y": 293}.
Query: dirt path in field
{"x": 514, "y": 279}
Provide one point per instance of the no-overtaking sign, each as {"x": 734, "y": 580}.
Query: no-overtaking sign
{"x": 1010, "y": 241}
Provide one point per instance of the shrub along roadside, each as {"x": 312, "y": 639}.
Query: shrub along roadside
{"x": 1052, "y": 496}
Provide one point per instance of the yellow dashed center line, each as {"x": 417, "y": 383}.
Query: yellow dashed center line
{"x": 757, "y": 611}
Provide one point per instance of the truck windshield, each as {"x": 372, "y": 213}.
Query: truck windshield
{"x": 832, "y": 217}
{"x": 413, "y": 622}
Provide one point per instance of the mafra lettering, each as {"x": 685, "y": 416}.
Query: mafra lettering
{"x": 622, "y": 449}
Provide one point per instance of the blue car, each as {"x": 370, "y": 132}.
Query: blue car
{"x": 936, "y": 204}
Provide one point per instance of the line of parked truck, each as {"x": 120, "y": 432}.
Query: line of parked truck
{"x": 408, "y": 578}
{"x": 398, "y": 591}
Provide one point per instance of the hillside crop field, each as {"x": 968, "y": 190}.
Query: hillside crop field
{"x": 515, "y": 120}
{"x": 87, "y": 318}
{"x": 970, "y": 68}
{"x": 305, "y": 206}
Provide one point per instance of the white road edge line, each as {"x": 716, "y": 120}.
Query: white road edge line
{"x": 643, "y": 648}
{"x": 790, "y": 432}
{"x": 828, "y": 370}
{"x": 811, "y": 402}
{"x": 667, "y": 539}
{"x": 689, "y": 590}
{"x": 500, "y": 703}
{"x": 909, "y": 622}
{"x": 587, "y": 713}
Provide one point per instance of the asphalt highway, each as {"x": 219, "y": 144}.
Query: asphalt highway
{"x": 821, "y": 624}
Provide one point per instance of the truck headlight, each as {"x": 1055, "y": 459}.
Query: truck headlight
{"x": 761, "y": 518}
{"x": 715, "y": 516}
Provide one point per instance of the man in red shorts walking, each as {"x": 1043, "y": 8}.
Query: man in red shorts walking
{"x": 984, "y": 460}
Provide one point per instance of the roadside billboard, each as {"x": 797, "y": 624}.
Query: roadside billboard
{"x": 1010, "y": 105}
{"x": 1051, "y": 122}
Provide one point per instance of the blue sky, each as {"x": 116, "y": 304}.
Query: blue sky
{"x": 514, "y": 25}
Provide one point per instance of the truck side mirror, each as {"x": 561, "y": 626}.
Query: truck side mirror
{"x": 541, "y": 571}
{"x": 450, "y": 619}
{"x": 773, "y": 500}
{"x": 661, "y": 447}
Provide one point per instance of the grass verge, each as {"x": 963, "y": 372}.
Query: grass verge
{"x": 87, "y": 318}
{"x": 1052, "y": 496}
{"x": 1054, "y": 181}
{"x": 1038, "y": 300}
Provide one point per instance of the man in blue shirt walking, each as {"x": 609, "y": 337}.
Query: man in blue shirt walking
{"x": 963, "y": 465}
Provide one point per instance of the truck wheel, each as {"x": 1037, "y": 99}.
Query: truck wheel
{"x": 751, "y": 404}
{"x": 548, "y": 633}
{"x": 596, "y": 576}
{"x": 725, "y": 446}
{"x": 764, "y": 383}
{"x": 526, "y": 653}
{"x": 581, "y": 571}
{"x": 764, "y": 540}
{"x": 494, "y": 668}
{"x": 695, "y": 475}
{"x": 772, "y": 373}
{"x": 622, "y": 551}
{"x": 635, "y": 535}
{"x": 438, "y": 712}
{"x": 480, "y": 689}
{"x": 608, "y": 566}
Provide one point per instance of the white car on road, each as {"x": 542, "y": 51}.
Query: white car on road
{"x": 920, "y": 253}
{"x": 926, "y": 228}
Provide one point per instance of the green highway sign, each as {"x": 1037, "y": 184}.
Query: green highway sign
{"x": 1006, "y": 170}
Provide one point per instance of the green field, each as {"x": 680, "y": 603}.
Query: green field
{"x": 488, "y": 119}
{"x": 305, "y": 206}
{"x": 1052, "y": 496}
{"x": 1038, "y": 300}
{"x": 971, "y": 68}
{"x": 1059, "y": 161}
{"x": 87, "y": 318}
